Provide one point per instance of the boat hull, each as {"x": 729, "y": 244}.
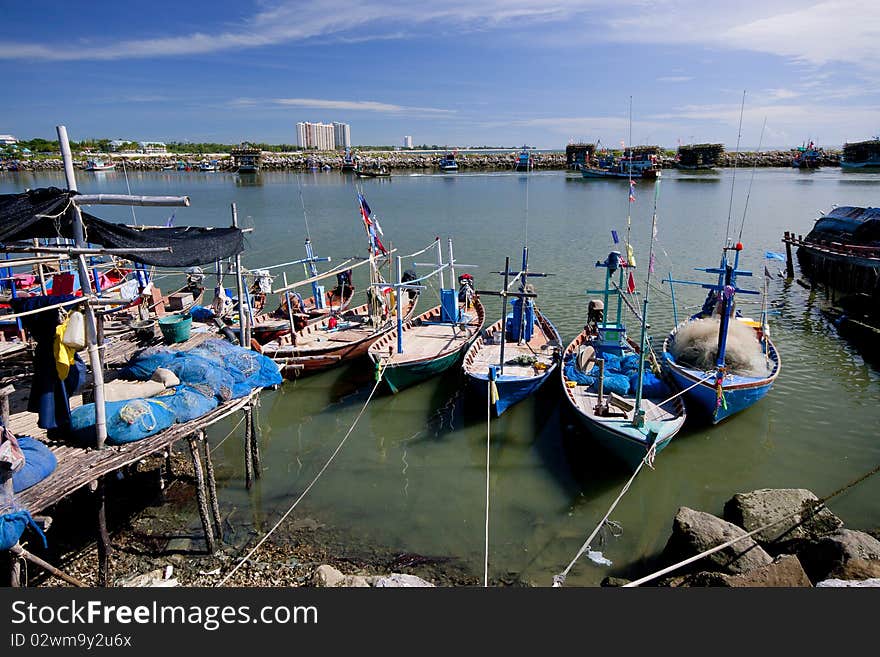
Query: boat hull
{"x": 399, "y": 377}
{"x": 621, "y": 440}
{"x": 739, "y": 392}
{"x": 511, "y": 390}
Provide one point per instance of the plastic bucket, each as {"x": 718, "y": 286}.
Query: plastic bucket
{"x": 175, "y": 328}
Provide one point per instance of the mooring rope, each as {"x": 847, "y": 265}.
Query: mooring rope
{"x": 559, "y": 580}
{"x": 488, "y": 454}
{"x": 308, "y": 488}
{"x": 818, "y": 506}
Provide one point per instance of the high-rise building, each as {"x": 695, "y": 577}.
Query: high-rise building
{"x": 320, "y": 136}
{"x": 407, "y": 141}
{"x": 342, "y": 135}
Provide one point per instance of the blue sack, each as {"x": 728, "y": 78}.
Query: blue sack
{"x": 39, "y": 463}
{"x": 201, "y": 313}
{"x": 572, "y": 373}
{"x": 12, "y": 526}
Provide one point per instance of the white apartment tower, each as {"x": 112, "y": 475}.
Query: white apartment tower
{"x": 319, "y": 136}
{"x": 407, "y": 141}
{"x": 342, "y": 135}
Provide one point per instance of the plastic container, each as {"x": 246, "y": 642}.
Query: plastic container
{"x": 175, "y": 328}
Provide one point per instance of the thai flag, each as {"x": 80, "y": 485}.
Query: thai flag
{"x": 371, "y": 226}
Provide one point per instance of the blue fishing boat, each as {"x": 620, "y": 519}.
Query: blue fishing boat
{"x": 807, "y": 157}
{"x": 628, "y": 410}
{"x": 744, "y": 363}
{"x": 519, "y": 352}
{"x": 447, "y": 162}
{"x": 524, "y": 160}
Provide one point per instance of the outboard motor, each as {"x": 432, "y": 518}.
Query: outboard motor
{"x": 466, "y": 289}
{"x": 595, "y": 315}
{"x": 344, "y": 289}
{"x": 195, "y": 276}
{"x": 409, "y": 275}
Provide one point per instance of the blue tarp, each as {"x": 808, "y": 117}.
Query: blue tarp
{"x": 12, "y": 526}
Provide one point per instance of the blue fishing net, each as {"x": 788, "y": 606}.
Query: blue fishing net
{"x": 189, "y": 403}
{"x": 127, "y": 421}
{"x": 616, "y": 383}
{"x": 245, "y": 365}
{"x": 144, "y": 364}
{"x": 572, "y": 373}
{"x": 191, "y": 368}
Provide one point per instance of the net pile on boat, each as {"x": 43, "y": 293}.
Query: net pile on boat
{"x": 696, "y": 345}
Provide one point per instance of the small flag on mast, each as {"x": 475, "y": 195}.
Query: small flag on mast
{"x": 615, "y": 237}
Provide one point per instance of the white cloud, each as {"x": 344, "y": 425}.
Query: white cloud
{"x": 675, "y": 78}
{"x": 349, "y": 105}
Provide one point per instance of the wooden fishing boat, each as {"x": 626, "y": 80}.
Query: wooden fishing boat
{"x": 807, "y": 157}
{"x": 339, "y": 333}
{"x": 511, "y": 359}
{"x": 722, "y": 391}
{"x": 627, "y": 423}
{"x": 861, "y": 155}
{"x": 448, "y": 163}
{"x": 372, "y": 173}
{"x": 433, "y": 342}
{"x": 99, "y": 165}
{"x": 524, "y": 161}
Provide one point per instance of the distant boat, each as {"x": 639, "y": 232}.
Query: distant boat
{"x": 518, "y": 353}
{"x": 524, "y": 160}
{"x": 349, "y": 161}
{"x": 861, "y": 155}
{"x": 637, "y": 165}
{"x": 447, "y": 162}
{"x": 373, "y": 173}
{"x": 98, "y": 165}
{"x": 208, "y": 166}
{"x": 807, "y": 157}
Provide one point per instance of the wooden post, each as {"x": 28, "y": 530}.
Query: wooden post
{"x": 255, "y": 443}
{"x": 104, "y": 547}
{"x": 202, "y": 494}
{"x": 17, "y": 552}
{"x": 212, "y": 485}
{"x": 789, "y": 263}
{"x": 6, "y": 483}
{"x": 248, "y": 452}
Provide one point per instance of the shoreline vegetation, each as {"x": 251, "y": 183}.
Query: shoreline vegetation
{"x": 400, "y": 160}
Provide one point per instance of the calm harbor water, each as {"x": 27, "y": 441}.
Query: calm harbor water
{"x": 411, "y": 476}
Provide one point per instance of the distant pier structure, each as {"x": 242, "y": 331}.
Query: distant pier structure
{"x": 579, "y": 156}
{"x": 246, "y": 158}
{"x": 698, "y": 156}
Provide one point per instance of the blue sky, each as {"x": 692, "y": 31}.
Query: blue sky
{"x": 456, "y": 72}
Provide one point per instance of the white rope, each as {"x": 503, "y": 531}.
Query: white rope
{"x": 559, "y": 580}
{"x": 307, "y": 489}
{"x": 488, "y": 454}
{"x": 659, "y": 411}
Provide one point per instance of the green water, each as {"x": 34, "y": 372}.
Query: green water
{"x": 412, "y": 475}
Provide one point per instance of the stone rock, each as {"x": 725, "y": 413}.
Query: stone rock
{"x": 327, "y": 576}
{"x": 354, "y": 582}
{"x": 844, "y": 582}
{"x": 694, "y": 532}
{"x": 759, "y": 507}
{"x": 784, "y": 571}
{"x": 398, "y": 580}
{"x": 179, "y": 544}
{"x": 154, "y": 578}
{"x": 614, "y": 581}
{"x": 843, "y": 553}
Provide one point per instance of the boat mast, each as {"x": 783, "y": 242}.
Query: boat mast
{"x": 639, "y": 416}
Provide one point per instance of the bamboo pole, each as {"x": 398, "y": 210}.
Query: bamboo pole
{"x": 104, "y": 547}
{"x": 243, "y": 337}
{"x": 21, "y": 553}
{"x": 127, "y": 199}
{"x": 255, "y": 444}
{"x": 248, "y": 453}
{"x": 212, "y": 485}
{"x": 91, "y": 322}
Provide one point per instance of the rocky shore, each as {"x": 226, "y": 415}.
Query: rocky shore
{"x": 398, "y": 160}
{"x": 807, "y": 546}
